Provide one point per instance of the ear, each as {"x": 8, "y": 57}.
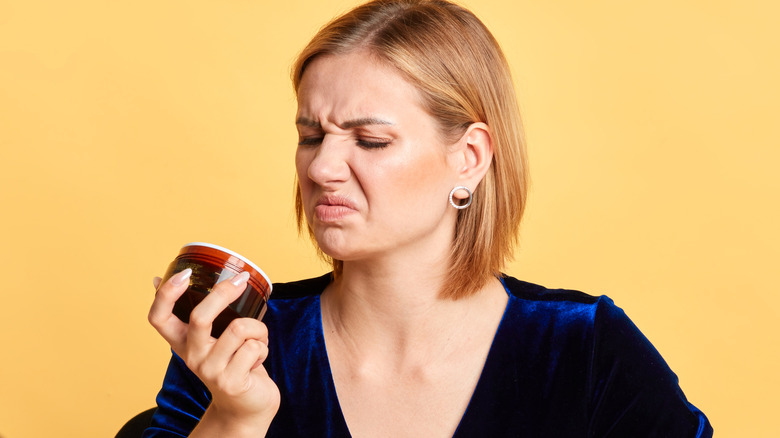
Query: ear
{"x": 471, "y": 157}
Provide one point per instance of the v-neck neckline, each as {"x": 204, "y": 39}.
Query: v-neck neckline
{"x": 482, "y": 381}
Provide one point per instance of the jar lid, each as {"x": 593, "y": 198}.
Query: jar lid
{"x": 234, "y": 254}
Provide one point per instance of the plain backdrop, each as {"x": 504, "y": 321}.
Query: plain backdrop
{"x": 129, "y": 128}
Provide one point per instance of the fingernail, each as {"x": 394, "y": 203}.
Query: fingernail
{"x": 240, "y": 279}
{"x": 181, "y": 277}
{"x": 156, "y": 282}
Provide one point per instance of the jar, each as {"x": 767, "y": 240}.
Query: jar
{"x": 210, "y": 265}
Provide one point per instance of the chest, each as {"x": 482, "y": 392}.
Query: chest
{"x": 524, "y": 386}
{"x": 422, "y": 402}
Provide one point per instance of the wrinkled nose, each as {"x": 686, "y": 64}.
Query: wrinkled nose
{"x": 330, "y": 163}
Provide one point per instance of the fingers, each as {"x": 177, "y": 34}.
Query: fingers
{"x": 193, "y": 341}
{"x": 244, "y": 343}
{"x": 161, "y": 313}
{"x": 237, "y": 332}
{"x": 250, "y": 356}
{"x": 230, "y": 366}
{"x": 220, "y": 297}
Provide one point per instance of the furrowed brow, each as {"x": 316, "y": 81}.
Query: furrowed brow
{"x": 363, "y": 121}
{"x": 309, "y": 123}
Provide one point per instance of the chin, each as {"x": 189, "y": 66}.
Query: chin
{"x": 341, "y": 252}
{"x": 332, "y": 246}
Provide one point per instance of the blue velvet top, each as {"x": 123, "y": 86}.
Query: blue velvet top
{"x": 562, "y": 364}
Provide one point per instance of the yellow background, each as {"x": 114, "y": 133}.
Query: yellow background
{"x": 130, "y": 128}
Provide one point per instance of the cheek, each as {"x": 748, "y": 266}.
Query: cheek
{"x": 426, "y": 170}
{"x": 415, "y": 181}
{"x": 302, "y": 162}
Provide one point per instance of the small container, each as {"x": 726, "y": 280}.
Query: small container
{"x": 211, "y": 264}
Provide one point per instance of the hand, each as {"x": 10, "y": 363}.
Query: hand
{"x": 243, "y": 395}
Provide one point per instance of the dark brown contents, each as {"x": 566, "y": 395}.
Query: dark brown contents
{"x": 250, "y": 304}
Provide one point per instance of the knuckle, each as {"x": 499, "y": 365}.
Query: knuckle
{"x": 253, "y": 345}
{"x": 154, "y": 320}
{"x": 257, "y": 348}
{"x": 199, "y": 319}
{"x": 240, "y": 328}
{"x": 263, "y": 330}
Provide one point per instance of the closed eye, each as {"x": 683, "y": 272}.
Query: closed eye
{"x": 310, "y": 141}
{"x": 314, "y": 141}
{"x": 372, "y": 144}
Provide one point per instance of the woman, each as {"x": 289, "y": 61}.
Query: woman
{"x": 412, "y": 181}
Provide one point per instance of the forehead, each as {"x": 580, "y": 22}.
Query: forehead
{"x": 353, "y": 84}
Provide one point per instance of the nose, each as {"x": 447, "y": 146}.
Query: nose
{"x": 329, "y": 163}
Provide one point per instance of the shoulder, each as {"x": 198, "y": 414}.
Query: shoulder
{"x": 599, "y": 313}
{"x": 584, "y": 351}
{"x": 537, "y": 293}
{"x": 596, "y": 320}
{"x": 562, "y": 309}
{"x": 294, "y": 310}
{"x": 297, "y": 298}
{"x": 590, "y": 327}
{"x": 301, "y": 288}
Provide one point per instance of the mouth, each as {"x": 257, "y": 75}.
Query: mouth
{"x": 333, "y": 208}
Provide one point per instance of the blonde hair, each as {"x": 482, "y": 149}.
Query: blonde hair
{"x": 457, "y": 66}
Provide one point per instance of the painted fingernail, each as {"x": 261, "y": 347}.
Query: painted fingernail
{"x": 181, "y": 277}
{"x": 240, "y": 279}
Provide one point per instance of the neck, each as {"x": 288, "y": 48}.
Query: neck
{"x": 378, "y": 309}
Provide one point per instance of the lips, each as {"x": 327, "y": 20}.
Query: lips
{"x": 333, "y": 208}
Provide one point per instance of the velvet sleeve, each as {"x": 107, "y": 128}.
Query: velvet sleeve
{"x": 634, "y": 392}
{"x": 180, "y": 403}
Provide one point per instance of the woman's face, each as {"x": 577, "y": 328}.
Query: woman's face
{"x": 373, "y": 171}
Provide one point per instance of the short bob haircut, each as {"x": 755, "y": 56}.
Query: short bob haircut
{"x": 458, "y": 68}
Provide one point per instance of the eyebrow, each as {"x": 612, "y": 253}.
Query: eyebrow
{"x": 309, "y": 123}
{"x": 362, "y": 121}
